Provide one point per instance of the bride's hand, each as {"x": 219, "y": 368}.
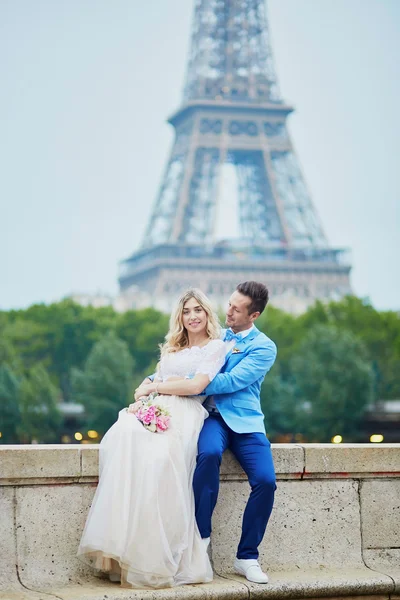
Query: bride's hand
{"x": 144, "y": 390}
{"x": 133, "y": 408}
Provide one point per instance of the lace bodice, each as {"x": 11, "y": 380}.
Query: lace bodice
{"x": 189, "y": 362}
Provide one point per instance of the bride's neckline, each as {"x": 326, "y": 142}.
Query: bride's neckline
{"x": 197, "y": 346}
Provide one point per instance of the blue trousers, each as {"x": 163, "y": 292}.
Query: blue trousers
{"x": 253, "y": 451}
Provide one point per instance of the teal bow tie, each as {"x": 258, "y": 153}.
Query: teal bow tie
{"x": 229, "y": 336}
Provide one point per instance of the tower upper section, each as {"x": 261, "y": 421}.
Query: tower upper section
{"x": 230, "y": 55}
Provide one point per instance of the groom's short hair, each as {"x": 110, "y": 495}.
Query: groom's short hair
{"x": 257, "y": 292}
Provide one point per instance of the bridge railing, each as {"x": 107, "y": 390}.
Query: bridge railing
{"x": 334, "y": 530}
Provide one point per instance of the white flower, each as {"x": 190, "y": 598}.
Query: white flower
{"x": 152, "y": 427}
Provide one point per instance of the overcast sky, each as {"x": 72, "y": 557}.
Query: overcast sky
{"x": 86, "y": 89}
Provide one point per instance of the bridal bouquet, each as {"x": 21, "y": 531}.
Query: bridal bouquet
{"x": 153, "y": 417}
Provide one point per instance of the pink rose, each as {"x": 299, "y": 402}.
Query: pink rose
{"x": 150, "y": 415}
{"x": 141, "y": 413}
{"x": 162, "y": 422}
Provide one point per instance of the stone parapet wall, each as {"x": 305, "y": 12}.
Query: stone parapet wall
{"x": 334, "y": 530}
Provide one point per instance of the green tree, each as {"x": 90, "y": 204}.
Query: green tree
{"x": 335, "y": 382}
{"x": 287, "y": 332}
{"x": 280, "y": 406}
{"x": 378, "y": 331}
{"x": 4, "y": 320}
{"x": 10, "y": 417}
{"x": 38, "y": 402}
{"x": 8, "y": 355}
{"x": 60, "y": 336}
{"x": 106, "y": 383}
{"x": 29, "y": 341}
{"x": 143, "y": 331}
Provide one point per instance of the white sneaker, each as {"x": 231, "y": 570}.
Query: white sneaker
{"x": 250, "y": 568}
{"x": 206, "y": 542}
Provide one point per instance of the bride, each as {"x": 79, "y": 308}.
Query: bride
{"x": 141, "y": 527}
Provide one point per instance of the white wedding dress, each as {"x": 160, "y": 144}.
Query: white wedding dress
{"x": 141, "y": 527}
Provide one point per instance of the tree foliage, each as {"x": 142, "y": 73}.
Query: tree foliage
{"x": 332, "y": 360}
{"x": 143, "y": 331}
{"x": 105, "y": 384}
{"x": 379, "y": 332}
{"x": 280, "y": 405}
{"x": 38, "y": 404}
{"x": 10, "y": 416}
{"x": 334, "y": 382}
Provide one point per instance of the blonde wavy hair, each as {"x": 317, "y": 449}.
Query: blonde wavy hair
{"x": 177, "y": 336}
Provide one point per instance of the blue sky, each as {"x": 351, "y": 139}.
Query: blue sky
{"x": 87, "y": 87}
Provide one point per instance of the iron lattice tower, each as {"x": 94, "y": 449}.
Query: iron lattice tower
{"x": 233, "y": 114}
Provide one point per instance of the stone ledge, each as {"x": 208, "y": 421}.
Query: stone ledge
{"x": 321, "y": 582}
{"x": 39, "y": 461}
{"x": 344, "y": 459}
{"x": 317, "y": 583}
{"x": 104, "y": 590}
{"x": 319, "y": 523}
{"x": 72, "y": 463}
{"x": 385, "y": 560}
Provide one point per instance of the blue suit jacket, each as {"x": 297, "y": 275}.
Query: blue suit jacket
{"x": 236, "y": 389}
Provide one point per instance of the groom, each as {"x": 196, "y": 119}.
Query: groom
{"x": 237, "y": 422}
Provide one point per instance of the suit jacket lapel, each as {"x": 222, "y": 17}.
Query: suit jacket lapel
{"x": 249, "y": 337}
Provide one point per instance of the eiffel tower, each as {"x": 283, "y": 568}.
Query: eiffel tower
{"x": 233, "y": 166}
